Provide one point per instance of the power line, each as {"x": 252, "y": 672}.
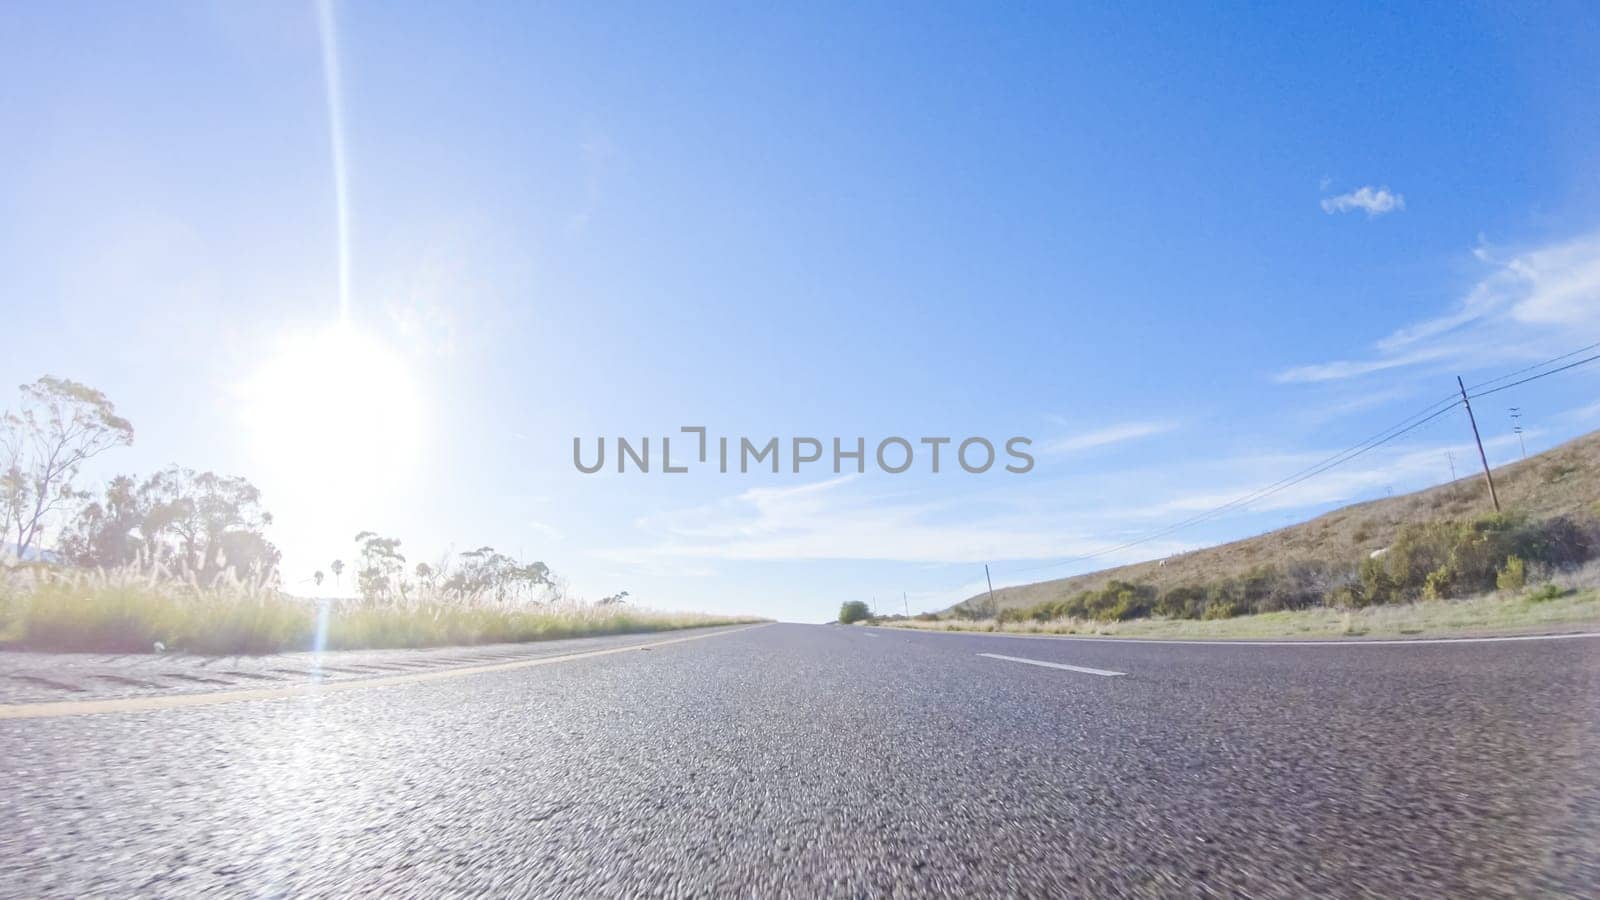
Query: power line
{"x": 1414, "y": 421}
{"x": 1506, "y": 387}
{"x": 1534, "y": 366}
{"x": 1397, "y": 430}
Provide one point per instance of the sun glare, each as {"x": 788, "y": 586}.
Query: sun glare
{"x": 333, "y": 416}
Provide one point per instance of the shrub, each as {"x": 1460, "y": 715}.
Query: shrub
{"x": 1512, "y": 577}
{"x": 1376, "y": 584}
{"x": 1347, "y": 596}
{"x": 852, "y": 611}
{"x": 1437, "y": 584}
{"x": 1545, "y": 592}
{"x": 1184, "y": 602}
{"x": 1450, "y": 558}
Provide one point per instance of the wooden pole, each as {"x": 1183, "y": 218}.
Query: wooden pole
{"x": 1482, "y": 457}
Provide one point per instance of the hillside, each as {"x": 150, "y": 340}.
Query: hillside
{"x": 1563, "y": 480}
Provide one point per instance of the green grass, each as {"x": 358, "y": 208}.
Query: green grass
{"x": 128, "y": 613}
{"x": 1544, "y": 608}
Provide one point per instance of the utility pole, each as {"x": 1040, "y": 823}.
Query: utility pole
{"x": 1452, "y": 458}
{"x": 907, "y": 601}
{"x": 991, "y": 589}
{"x": 1516, "y": 426}
{"x": 1482, "y": 457}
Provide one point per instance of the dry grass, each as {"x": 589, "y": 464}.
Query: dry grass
{"x": 129, "y": 612}
{"x": 1561, "y": 481}
{"x": 1531, "y": 610}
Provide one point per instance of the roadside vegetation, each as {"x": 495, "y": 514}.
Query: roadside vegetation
{"x": 1404, "y": 565}
{"x": 1561, "y": 482}
{"x": 180, "y": 561}
{"x": 1492, "y": 573}
{"x": 1428, "y": 561}
{"x": 1546, "y": 608}
{"x": 128, "y": 611}
{"x": 853, "y": 611}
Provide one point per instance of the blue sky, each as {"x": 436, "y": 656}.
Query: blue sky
{"x": 1115, "y": 230}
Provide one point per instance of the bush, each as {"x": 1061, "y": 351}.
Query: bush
{"x": 853, "y": 611}
{"x": 1545, "y": 592}
{"x": 1453, "y": 558}
{"x": 1513, "y": 576}
{"x": 1183, "y": 602}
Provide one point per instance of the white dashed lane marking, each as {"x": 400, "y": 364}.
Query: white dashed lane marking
{"x": 1050, "y": 665}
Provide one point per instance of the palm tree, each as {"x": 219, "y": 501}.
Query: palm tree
{"x": 338, "y": 569}
{"x": 317, "y": 577}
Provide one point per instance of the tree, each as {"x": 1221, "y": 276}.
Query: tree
{"x": 382, "y": 572}
{"x": 110, "y": 531}
{"x": 484, "y": 572}
{"x": 212, "y": 523}
{"x": 854, "y": 611}
{"x": 59, "y": 426}
{"x": 426, "y": 576}
{"x": 614, "y": 599}
{"x": 338, "y": 569}
{"x": 317, "y": 577}
{"x": 199, "y": 524}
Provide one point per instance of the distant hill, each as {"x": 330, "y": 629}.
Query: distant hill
{"x": 1563, "y": 480}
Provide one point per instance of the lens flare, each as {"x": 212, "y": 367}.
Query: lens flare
{"x": 334, "y": 90}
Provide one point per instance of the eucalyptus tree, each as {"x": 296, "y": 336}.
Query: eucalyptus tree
{"x": 58, "y": 426}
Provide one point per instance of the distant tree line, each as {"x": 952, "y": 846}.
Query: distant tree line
{"x": 483, "y": 575}
{"x": 199, "y": 526}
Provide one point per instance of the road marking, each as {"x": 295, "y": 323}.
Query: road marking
{"x": 1050, "y": 665}
{"x": 1247, "y": 642}
{"x": 174, "y": 701}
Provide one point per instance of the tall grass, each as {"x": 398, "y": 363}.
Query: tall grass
{"x": 131, "y": 611}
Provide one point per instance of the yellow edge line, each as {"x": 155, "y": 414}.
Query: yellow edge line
{"x": 176, "y": 701}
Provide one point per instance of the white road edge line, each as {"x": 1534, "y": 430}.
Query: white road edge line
{"x": 1247, "y": 642}
{"x": 57, "y": 709}
{"x": 1050, "y": 665}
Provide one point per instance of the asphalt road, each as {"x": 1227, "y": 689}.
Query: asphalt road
{"x": 808, "y": 761}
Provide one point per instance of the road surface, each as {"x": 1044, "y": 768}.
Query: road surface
{"x": 808, "y": 761}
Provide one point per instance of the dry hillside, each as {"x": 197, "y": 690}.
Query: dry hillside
{"x": 1565, "y": 479}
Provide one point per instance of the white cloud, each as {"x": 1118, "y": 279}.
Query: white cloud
{"x": 1101, "y": 437}
{"x": 1347, "y": 368}
{"x": 840, "y": 519}
{"x": 1528, "y": 305}
{"x": 1374, "y": 201}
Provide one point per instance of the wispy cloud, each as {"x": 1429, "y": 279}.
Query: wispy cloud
{"x": 1351, "y": 368}
{"x": 1102, "y": 437}
{"x": 846, "y": 519}
{"x": 1528, "y": 304}
{"x": 1408, "y": 468}
{"x": 1373, "y": 201}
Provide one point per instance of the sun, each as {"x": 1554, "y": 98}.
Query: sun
{"x": 333, "y": 417}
